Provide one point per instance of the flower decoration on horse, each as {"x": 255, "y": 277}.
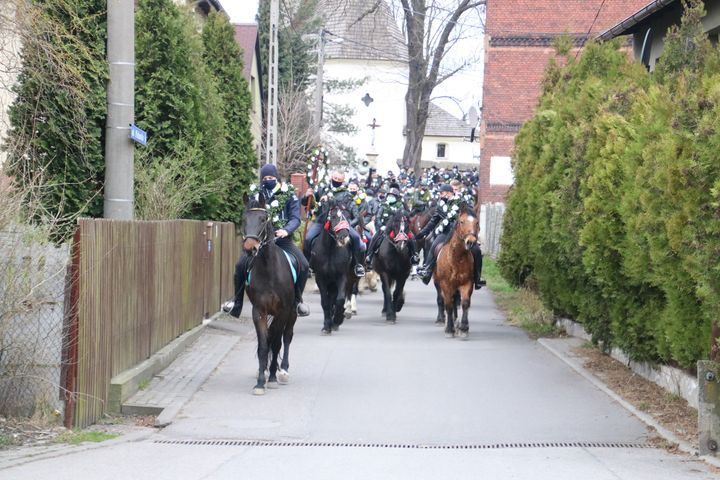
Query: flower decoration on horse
{"x": 281, "y": 194}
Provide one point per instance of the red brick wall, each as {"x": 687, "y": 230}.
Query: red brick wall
{"x": 517, "y": 50}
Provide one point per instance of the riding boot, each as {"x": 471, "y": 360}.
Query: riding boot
{"x": 358, "y": 269}
{"x": 414, "y": 256}
{"x": 477, "y": 261}
{"x": 302, "y": 309}
{"x": 426, "y": 270}
{"x": 372, "y": 249}
{"x": 240, "y": 279}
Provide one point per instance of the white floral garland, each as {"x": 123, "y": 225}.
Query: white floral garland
{"x": 281, "y": 194}
{"x": 323, "y": 173}
{"x": 451, "y": 211}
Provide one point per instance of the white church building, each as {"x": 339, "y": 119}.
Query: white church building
{"x": 363, "y": 41}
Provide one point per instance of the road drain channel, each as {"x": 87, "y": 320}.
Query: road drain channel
{"x": 488, "y": 446}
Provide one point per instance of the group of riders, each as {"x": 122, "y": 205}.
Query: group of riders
{"x": 367, "y": 204}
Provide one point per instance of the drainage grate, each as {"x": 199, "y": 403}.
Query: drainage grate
{"x": 488, "y": 446}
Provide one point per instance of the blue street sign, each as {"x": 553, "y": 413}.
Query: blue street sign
{"x": 138, "y": 134}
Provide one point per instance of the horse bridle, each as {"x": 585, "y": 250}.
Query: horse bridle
{"x": 332, "y": 231}
{"x": 263, "y": 235}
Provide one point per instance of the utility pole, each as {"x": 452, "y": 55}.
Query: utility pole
{"x": 319, "y": 79}
{"x": 119, "y": 164}
{"x": 271, "y": 133}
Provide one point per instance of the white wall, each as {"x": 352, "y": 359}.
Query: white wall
{"x": 9, "y": 66}
{"x": 458, "y": 151}
{"x": 387, "y": 85}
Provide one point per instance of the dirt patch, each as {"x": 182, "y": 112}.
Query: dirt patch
{"x": 669, "y": 410}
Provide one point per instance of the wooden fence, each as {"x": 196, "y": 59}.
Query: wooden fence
{"x": 493, "y": 214}
{"x": 135, "y": 286}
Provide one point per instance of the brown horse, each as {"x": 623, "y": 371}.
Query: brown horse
{"x": 454, "y": 273}
{"x": 417, "y": 223}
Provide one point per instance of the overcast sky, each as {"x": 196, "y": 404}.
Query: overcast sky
{"x": 465, "y": 88}
{"x": 240, "y": 11}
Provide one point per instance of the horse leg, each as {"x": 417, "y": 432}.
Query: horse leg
{"x": 456, "y": 303}
{"x": 440, "y": 320}
{"x": 390, "y": 315}
{"x": 327, "y": 309}
{"x": 261, "y": 330}
{"x": 399, "y": 294}
{"x": 283, "y": 375}
{"x": 339, "y": 317}
{"x": 275, "y": 342}
{"x": 449, "y": 300}
{"x": 465, "y": 294}
{"x": 383, "y": 284}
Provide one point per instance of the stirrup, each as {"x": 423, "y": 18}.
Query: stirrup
{"x": 359, "y": 271}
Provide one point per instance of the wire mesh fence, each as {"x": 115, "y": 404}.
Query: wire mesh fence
{"x": 32, "y": 288}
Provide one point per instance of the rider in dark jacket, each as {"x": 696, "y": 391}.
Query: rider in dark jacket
{"x": 443, "y": 222}
{"x": 392, "y": 204}
{"x": 287, "y": 221}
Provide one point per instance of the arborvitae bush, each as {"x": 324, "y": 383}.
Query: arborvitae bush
{"x": 613, "y": 215}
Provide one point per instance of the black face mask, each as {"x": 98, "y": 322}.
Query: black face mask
{"x": 336, "y": 184}
{"x": 269, "y": 184}
{"x": 381, "y": 197}
{"x": 353, "y": 192}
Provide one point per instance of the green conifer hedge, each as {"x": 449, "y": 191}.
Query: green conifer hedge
{"x": 614, "y": 215}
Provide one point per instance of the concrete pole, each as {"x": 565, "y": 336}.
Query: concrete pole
{"x": 319, "y": 79}
{"x": 271, "y": 130}
{"x": 119, "y": 149}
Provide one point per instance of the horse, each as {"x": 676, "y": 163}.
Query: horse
{"x": 417, "y": 223}
{"x": 454, "y": 273}
{"x": 393, "y": 263}
{"x": 331, "y": 259}
{"x": 272, "y": 294}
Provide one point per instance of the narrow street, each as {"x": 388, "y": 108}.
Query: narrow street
{"x": 392, "y": 401}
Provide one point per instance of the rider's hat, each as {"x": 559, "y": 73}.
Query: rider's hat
{"x": 446, "y": 188}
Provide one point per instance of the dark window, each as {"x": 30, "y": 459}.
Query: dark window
{"x": 441, "y": 150}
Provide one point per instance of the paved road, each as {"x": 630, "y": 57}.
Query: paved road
{"x": 393, "y": 401}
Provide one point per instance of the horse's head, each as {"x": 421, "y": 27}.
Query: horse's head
{"x": 467, "y": 226}
{"x": 337, "y": 225}
{"x": 257, "y": 229}
{"x": 398, "y": 229}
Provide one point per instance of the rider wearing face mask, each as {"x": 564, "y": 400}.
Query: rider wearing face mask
{"x": 443, "y": 223}
{"x": 340, "y": 194}
{"x": 288, "y": 220}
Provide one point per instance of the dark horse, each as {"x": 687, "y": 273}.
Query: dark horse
{"x": 417, "y": 223}
{"x": 330, "y": 259}
{"x": 393, "y": 263}
{"x": 272, "y": 294}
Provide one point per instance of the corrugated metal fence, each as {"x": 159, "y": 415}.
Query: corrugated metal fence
{"x": 136, "y": 286}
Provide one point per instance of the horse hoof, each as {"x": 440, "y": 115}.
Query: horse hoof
{"x": 348, "y": 314}
{"x": 391, "y": 321}
{"x": 325, "y": 331}
{"x": 272, "y": 383}
{"x": 449, "y": 335}
{"x": 259, "y": 391}
{"x": 335, "y": 328}
{"x": 439, "y": 322}
{"x": 463, "y": 335}
{"x": 283, "y": 377}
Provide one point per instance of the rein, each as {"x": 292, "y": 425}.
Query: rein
{"x": 262, "y": 236}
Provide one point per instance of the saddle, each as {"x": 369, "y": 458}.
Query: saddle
{"x": 294, "y": 267}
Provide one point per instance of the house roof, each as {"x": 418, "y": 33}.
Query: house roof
{"x": 367, "y": 29}
{"x": 246, "y": 35}
{"x": 637, "y": 20}
{"x": 441, "y": 123}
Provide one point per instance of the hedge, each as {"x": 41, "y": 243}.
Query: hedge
{"x": 615, "y": 212}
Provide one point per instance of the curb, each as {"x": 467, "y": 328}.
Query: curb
{"x": 126, "y": 384}
{"x": 643, "y": 417}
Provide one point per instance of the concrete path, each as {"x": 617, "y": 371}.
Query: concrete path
{"x": 392, "y": 401}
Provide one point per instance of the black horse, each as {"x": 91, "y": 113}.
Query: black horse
{"x": 272, "y": 294}
{"x": 331, "y": 260}
{"x": 393, "y": 263}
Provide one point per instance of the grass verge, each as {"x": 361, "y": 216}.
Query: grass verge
{"x": 76, "y": 437}
{"x": 523, "y": 307}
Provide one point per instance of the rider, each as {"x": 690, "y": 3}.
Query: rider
{"x": 288, "y": 221}
{"x": 341, "y": 195}
{"x": 443, "y": 223}
{"x": 388, "y": 208}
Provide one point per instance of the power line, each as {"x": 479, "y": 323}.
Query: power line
{"x": 587, "y": 35}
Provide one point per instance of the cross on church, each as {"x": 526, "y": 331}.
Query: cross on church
{"x": 373, "y": 125}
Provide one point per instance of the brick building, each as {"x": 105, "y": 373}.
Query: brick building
{"x": 518, "y": 46}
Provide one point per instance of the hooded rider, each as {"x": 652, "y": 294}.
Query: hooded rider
{"x": 443, "y": 223}
{"x": 288, "y": 220}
